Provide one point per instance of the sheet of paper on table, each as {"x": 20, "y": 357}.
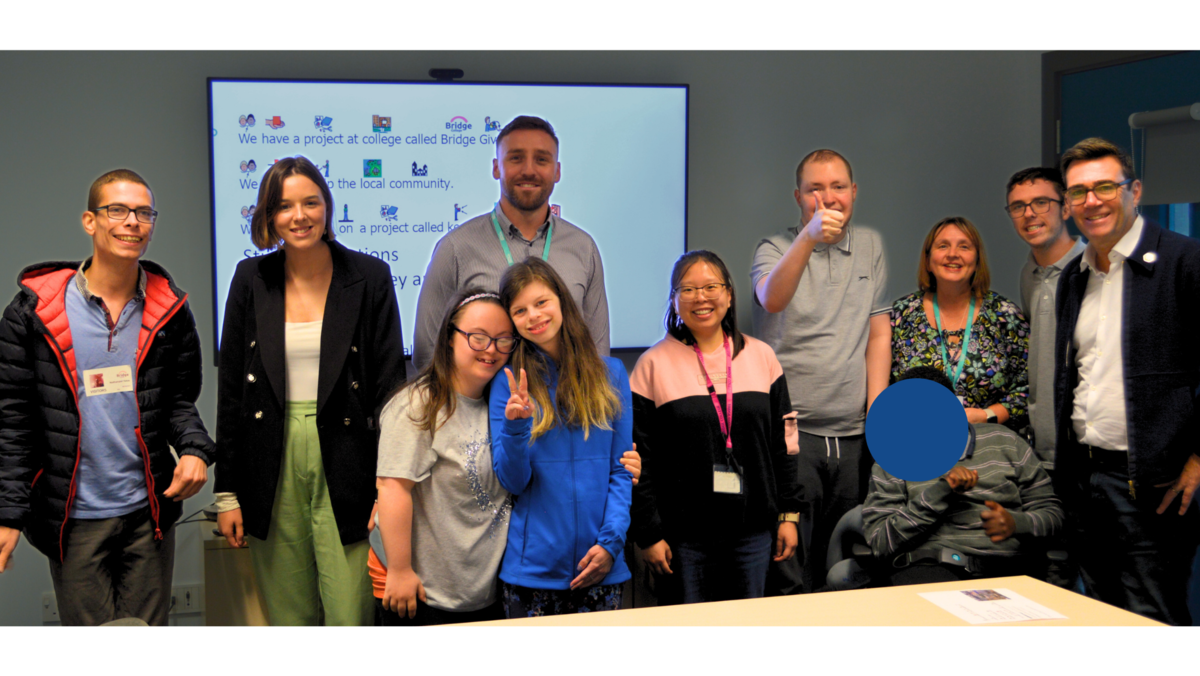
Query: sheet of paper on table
{"x": 983, "y": 606}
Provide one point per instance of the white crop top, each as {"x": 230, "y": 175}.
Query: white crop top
{"x": 302, "y": 348}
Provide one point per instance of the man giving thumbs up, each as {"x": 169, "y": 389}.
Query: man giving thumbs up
{"x": 820, "y": 301}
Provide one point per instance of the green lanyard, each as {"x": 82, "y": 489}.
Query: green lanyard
{"x": 962, "y": 356}
{"x": 504, "y": 242}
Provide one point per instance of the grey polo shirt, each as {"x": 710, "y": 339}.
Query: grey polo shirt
{"x": 820, "y": 338}
{"x": 1039, "y": 289}
{"x": 470, "y": 255}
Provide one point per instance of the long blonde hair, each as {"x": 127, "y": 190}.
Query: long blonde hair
{"x": 585, "y": 397}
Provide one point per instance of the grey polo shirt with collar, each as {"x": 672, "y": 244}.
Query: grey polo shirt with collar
{"x": 820, "y": 338}
{"x": 471, "y": 255}
{"x": 1039, "y": 290}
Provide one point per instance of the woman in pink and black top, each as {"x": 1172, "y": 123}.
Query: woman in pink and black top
{"x": 718, "y": 496}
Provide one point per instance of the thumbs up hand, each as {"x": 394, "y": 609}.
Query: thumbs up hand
{"x": 826, "y": 224}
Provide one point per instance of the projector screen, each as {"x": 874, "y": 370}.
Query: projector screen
{"x": 408, "y": 162}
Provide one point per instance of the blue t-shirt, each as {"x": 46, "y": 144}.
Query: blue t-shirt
{"x": 111, "y": 478}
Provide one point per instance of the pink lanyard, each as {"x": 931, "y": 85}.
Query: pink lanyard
{"x": 726, "y": 429}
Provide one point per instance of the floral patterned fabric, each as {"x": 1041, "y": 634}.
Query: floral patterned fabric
{"x": 528, "y": 602}
{"x": 995, "y": 372}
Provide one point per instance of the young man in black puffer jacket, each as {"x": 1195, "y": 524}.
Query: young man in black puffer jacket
{"x": 100, "y": 368}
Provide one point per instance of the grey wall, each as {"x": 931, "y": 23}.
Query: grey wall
{"x": 929, "y": 134}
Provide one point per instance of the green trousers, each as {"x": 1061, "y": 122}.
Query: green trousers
{"x": 302, "y": 567}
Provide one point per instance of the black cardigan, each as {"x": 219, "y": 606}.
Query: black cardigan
{"x": 362, "y": 361}
{"x": 1161, "y": 304}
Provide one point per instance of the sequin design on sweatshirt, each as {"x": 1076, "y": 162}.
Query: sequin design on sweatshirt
{"x": 473, "y": 450}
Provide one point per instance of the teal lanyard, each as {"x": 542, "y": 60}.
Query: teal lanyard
{"x": 962, "y": 355}
{"x": 504, "y": 242}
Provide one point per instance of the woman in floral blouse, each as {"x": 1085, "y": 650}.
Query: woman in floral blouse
{"x": 955, "y": 305}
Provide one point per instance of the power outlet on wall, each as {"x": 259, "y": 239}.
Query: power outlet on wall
{"x": 187, "y": 599}
{"x": 49, "y": 608}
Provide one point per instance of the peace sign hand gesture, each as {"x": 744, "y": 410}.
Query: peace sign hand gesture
{"x": 518, "y": 402}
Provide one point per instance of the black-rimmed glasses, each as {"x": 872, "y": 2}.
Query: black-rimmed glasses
{"x": 706, "y": 291}
{"x": 119, "y": 212}
{"x": 1104, "y": 191}
{"x": 482, "y": 341}
{"x": 1040, "y": 206}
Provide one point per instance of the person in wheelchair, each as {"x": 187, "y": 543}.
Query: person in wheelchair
{"x": 991, "y": 515}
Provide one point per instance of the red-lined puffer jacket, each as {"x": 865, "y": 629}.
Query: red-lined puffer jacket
{"x": 39, "y": 414}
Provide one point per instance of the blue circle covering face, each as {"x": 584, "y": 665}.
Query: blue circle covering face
{"x": 916, "y": 430}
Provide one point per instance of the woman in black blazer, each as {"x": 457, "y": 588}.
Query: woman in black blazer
{"x": 310, "y": 348}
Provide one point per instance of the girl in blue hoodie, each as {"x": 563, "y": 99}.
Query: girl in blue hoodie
{"x": 558, "y": 432}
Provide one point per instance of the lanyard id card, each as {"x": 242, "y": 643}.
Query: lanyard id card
{"x": 727, "y": 477}
{"x": 966, "y": 340}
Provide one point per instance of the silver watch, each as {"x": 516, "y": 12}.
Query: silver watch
{"x": 991, "y": 415}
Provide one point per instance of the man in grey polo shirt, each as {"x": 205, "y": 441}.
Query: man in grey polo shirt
{"x": 821, "y": 303}
{"x": 1035, "y": 204}
{"x": 521, "y": 225}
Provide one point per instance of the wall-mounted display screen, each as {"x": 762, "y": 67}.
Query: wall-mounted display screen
{"x": 408, "y": 162}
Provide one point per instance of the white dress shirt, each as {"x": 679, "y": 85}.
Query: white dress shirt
{"x": 1098, "y": 416}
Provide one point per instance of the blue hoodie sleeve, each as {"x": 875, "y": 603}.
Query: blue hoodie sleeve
{"x": 620, "y": 482}
{"x": 510, "y": 440}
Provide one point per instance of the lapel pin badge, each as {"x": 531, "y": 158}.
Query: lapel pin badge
{"x": 1150, "y": 257}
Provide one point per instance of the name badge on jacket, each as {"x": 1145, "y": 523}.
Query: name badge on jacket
{"x": 108, "y": 381}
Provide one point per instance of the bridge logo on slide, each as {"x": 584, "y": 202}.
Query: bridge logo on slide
{"x": 323, "y": 123}
{"x": 248, "y": 166}
{"x": 458, "y": 123}
{"x": 275, "y": 122}
{"x": 388, "y": 212}
{"x": 372, "y": 168}
{"x": 491, "y": 125}
{"x": 246, "y": 121}
{"x": 381, "y": 124}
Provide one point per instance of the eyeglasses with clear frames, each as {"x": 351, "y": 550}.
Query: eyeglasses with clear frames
{"x": 706, "y": 291}
{"x": 119, "y": 212}
{"x": 1104, "y": 191}
{"x": 480, "y": 342}
{"x": 1040, "y": 206}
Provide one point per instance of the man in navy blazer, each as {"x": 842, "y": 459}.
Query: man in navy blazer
{"x": 1126, "y": 373}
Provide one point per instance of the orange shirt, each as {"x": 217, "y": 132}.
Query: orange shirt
{"x": 378, "y": 574}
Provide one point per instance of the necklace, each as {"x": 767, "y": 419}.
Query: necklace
{"x": 953, "y": 340}
{"x": 949, "y": 320}
{"x": 954, "y": 372}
